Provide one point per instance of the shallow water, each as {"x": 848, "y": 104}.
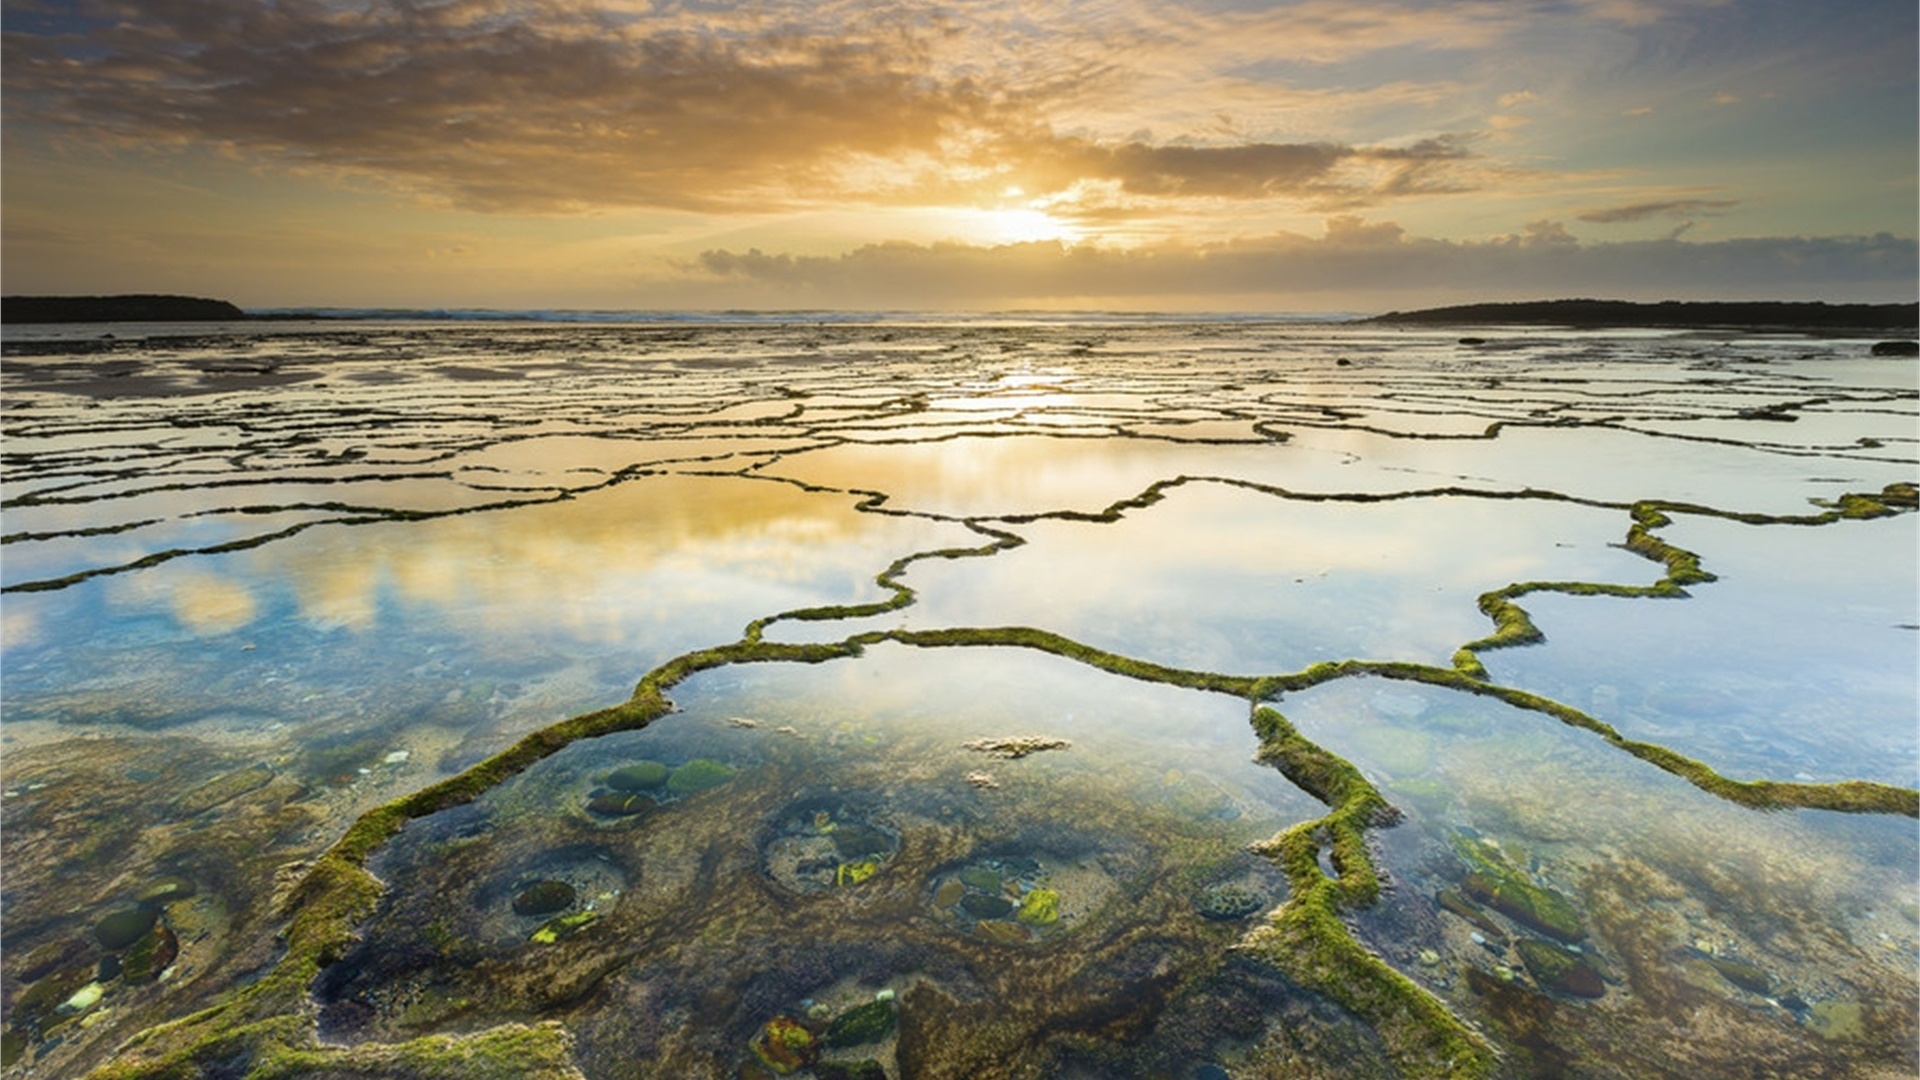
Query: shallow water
{"x": 259, "y": 584}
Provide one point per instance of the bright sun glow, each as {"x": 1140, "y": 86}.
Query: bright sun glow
{"x": 1009, "y": 225}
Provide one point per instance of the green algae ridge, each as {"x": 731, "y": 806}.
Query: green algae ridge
{"x": 1305, "y": 938}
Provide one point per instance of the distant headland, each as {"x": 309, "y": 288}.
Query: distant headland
{"x": 144, "y": 307}
{"x": 1679, "y": 314}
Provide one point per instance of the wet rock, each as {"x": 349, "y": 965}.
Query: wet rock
{"x": 786, "y": 1046}
{"x": 1557, "y": 969}
{"x": 1896, "y": 348}
{"x": 640, "y": 776}
{"x": 123, "y": 928}
{"x": 619, "y": 804}
{"x": 147, "y": 958}
{"x": 861, "y": 1025}
{"x": 700, "y": 774}
{"x": 543, "y": 898}
{"x": 986, "y": 906}
{"x": 1041, "y": 907}
{"x": 1228, "y": 901}
{"x": 948, "y": 894}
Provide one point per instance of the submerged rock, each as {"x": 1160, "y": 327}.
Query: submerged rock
{"x": 165, "y": 891}
{"x": 1743, "y": 975}
{"x": 1534, "y": 906}
{"x": 223, "y": 789}
{"x": 861, "y": 1024}
{"x": 1452, "y": 901}
{"x": 123, "y": 928}
{"x": 543, "y": 898}
{"x": 786, "y": 1046}
{"x": 700, "y": 774}
{"x": 150, "y": 956}
{"x": 948, "y": 894}
{"x": 979, "y": 877}
{"x": 1560, "y": 970}
{"x": 985, "y": 906}
{"x": 640, "y": 776}
{"x": 54, "y": 954}
{"x": 1227, "y": 902}
{"x": 850, "y": 1070}
{"x": 43, "y": 997}
{"x": 619, "y": 804}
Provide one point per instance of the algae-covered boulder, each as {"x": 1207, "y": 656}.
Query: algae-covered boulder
{"x": 145, "y": 959}
{"x": 700, "y": 774}
{"x": 640, "y": 776}
{"x": 123, "y": 928}
{"x": 1227, "y": 901}
{"x": 861, "y": 1025}
{"x": 1560, "y": 970}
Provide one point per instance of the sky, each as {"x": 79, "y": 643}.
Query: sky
{"x": 1223, "y": 155}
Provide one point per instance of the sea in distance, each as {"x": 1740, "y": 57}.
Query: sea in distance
{"x": 738, "y": 696}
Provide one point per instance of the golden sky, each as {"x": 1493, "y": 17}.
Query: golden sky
{"x": 1224, "y": 154}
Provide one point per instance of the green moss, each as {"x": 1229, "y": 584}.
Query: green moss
{"x": 1041, "y": 907}
{"x": 561, "y": 927}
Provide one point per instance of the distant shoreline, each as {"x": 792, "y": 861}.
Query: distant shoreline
{"x": 1577, "y": 313}
{"x": 1669, "y": 314}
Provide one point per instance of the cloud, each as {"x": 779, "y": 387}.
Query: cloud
{"x": 1642, "y": 211}
{"x": 1355, "y": 260}
{"x": 565, "y": 106}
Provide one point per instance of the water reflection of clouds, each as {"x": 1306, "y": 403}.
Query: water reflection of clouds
{"x": 597, "y": 568}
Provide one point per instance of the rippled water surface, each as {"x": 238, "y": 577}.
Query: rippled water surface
{"x": 972, "y": 639}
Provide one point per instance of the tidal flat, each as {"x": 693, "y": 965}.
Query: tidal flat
{"x": 977, "y": 698}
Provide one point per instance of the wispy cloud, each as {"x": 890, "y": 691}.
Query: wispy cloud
{"x": 1669, "y": 208}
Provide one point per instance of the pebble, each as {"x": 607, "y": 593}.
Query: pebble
{"x": 1429, "y": 958}
{"x": 397, "y": 757}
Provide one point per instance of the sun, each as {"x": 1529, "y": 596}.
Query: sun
{"x": 1016, "y": 220}
{"x": 1020, "y": 225}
